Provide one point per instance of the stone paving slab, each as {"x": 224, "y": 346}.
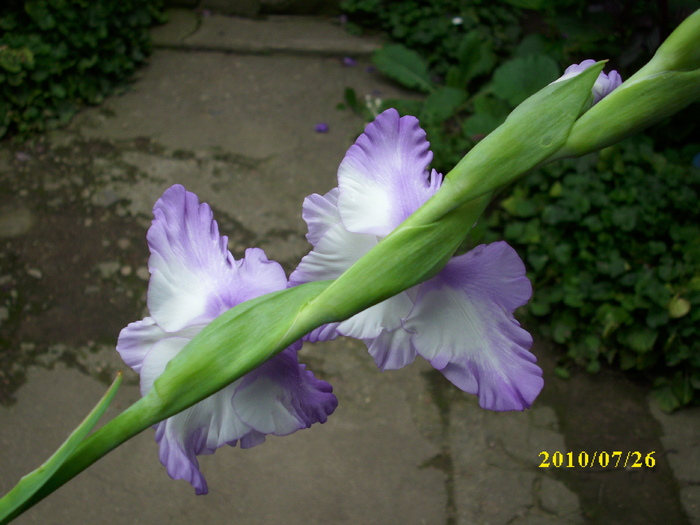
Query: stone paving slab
{"x": 274, "y": 34}
{"x": 681, "y": 438}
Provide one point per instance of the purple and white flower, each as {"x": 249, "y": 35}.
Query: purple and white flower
{"x": 194, "y": 278}
{"x": 462, "y": 319}
{"x": 604, "y": 84}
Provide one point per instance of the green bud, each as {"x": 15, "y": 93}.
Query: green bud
{"x": 667, "y": 84}
{"x": 533, "y": 132}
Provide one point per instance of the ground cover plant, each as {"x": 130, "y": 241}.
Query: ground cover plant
{"x": 615, "y": 266}
{"x": 612, "y": 243}
{"x": 56, "y": 55}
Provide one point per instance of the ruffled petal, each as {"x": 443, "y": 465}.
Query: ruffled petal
{"x": 192, "y": 271}
{"x": 384, "y": 316}
{"x": 392, "y": 350}
{"x": 257, "y": 276}
{"x": 463, "y": 324}
{"x": 157, "y": 358}
{"x": 199, "y": 430}
{"x": 136, "y": 340}
{"x": 320, "y": 212}
{"x": 281, "y": 396}
{"x": 334, "y": 253}
{"x": 383, "y": 177}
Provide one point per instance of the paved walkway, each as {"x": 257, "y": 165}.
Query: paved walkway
{"x": 228, "y": 108}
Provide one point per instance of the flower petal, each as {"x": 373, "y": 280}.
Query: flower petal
{"x": 320, "y": 212}
{"x": 463, "y": 324}
{"x": 384, "y": 316}
{"x": 136, "y": 340}
{"x": 192, "y": 269}
{"x": 281, "y": 396}
{"x": 392, "y": 350}
{"x": 334, "y": 253}
{"x": 257, "y": 276}
{"x": 194, "y": 276}
{"x": 157, "y": 359}
{"x": 383, "y": 177}
{"x": 199, "y": 430}
{"x": 604, "y": 84}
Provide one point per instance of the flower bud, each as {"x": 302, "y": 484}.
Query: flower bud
{"x": 667, "y": 84}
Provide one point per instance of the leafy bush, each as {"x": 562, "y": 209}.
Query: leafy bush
{"x": 476, "y": 60}
{"x": 58, "y": 54}
{"x": 463, "y": 109}
{"x": 613, "y": 244}
{"x": 435, "y": 29}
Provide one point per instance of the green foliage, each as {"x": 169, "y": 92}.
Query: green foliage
{"x": 436, "y": 29}
{"x": 613, "y": 245}
{"x": 494, "y": 54}
{"x": 56, "y": 55}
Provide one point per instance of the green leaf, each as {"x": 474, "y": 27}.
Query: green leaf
{"x": 678, "y": 307}
{"x": 443, "y": 103}
{"x": 529, "y": 4}
{"x": 39, "y": 12}
{"x": 517, "y": 79}
{"x": 533, "y": 44}
{"x": 350, "y": 98}
{"x": 404, "y": 106}
{"x": 639, "y": 339}
{"x": 562, "y": 373}
{"x": 489, "y": 113}
{"x": 33, "y": 481}
{"x": 475, "y": 57}
{"x": 668, "y": 402}
{"x": 563, "y": 327}
{"x": 403, "y": 65}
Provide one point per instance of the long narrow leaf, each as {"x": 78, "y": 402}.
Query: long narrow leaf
{"x": 33, "y": 481}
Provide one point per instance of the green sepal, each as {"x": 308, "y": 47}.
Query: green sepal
{"x": 631, "y": 108}
{"x": 533, "y": 132}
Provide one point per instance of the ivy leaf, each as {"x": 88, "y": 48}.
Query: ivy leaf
{"x": 520, "y": 77}
{"x": 403, "y": 65}
{"x": 640, "y": 339}
{"x": 475, "y": 56}
{"x": 489, "y": 113}
{"x": 443, "y": 103}
{"x": 664, "y": 396}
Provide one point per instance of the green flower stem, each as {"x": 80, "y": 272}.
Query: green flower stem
{"x": 235, "y": 343}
